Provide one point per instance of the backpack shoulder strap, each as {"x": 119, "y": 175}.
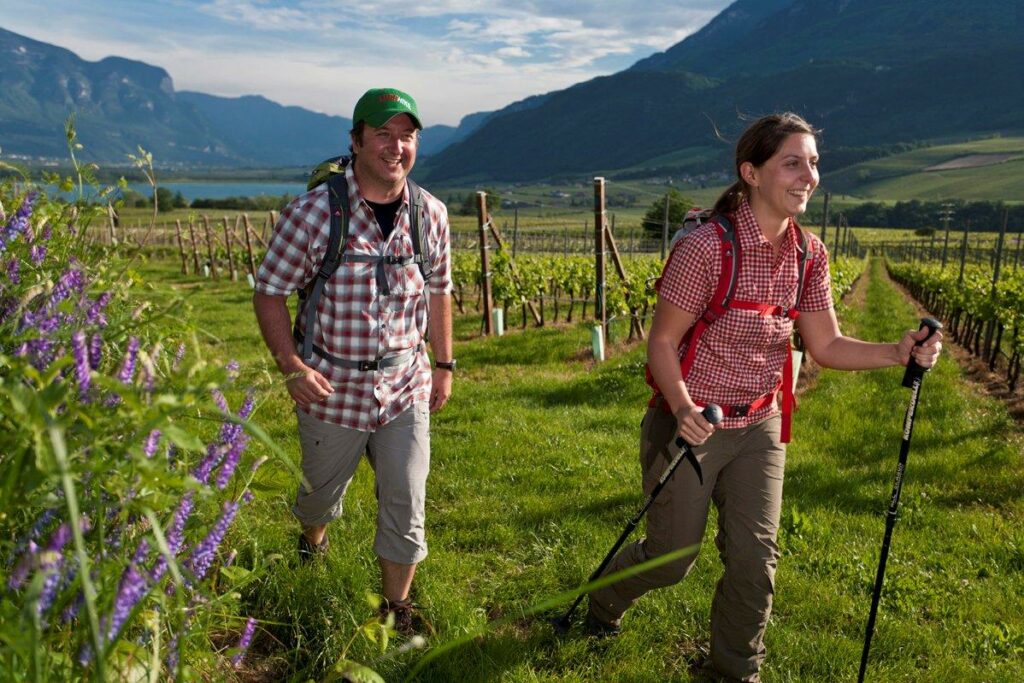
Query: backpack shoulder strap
{"x": 418, "y": 234}
{"x": 724, "y": 291}
{"x": 805, "y": 261}
{"x": 340, "y": 212}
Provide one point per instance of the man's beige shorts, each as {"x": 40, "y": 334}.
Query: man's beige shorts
{"x": 399, "y": 453}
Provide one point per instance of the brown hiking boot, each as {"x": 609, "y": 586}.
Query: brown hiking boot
{"x": 309, "y": 552}
{"x": 596, "y": 628}
{"x": 405, "y": 613}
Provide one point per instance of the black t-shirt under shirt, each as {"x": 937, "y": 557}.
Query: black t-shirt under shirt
{"x": 385, "y": 215}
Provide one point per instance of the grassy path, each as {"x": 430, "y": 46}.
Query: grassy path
{"x": 535, "y": 472}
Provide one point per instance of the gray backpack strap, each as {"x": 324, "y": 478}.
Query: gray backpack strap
{"x": 337, "y": 196}
{"x": 420, "y": 243}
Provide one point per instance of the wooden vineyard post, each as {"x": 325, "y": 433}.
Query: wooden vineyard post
{"x": 824, "y": 216}
{"x": 512, "y": 268}
{"x": 112, "y": 223}
{"x": 600, "y": 309}
{"x": 664, "y": 227}
{"x": 195, "y": 247}
{"x": 209, "y": 246}
{"x": 268, "y": 226}
{"x": 227, "y": 245}
{"x": 635, "y": 326}
{"x": 246, "y": 229}
{"x": 993, "y": 349}
{"x": 181, "y": 247}
{"x": 485, "y": 268}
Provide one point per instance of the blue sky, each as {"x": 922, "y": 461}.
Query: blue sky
{"x": 455, "y": 57}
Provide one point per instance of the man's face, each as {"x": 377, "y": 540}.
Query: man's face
{"x": 386, "y": 154}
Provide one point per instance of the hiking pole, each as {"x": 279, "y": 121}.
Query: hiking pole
{"x": 712, "y": 414}
{"x": 911, "y": 379}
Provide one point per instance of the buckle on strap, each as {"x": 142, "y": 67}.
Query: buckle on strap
{"x": 369, "y": 365}
{"x": 738, "y": 411}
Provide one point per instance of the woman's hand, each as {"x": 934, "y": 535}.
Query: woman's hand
{"x": 692, "y": 426}
{"x": 926, "y": 354}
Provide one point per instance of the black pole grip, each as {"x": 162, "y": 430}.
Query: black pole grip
{"x": 915, "y": 371}
{"x": 713, "y": 414}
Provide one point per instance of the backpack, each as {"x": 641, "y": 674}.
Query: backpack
{"x": 724, "y": 299}
{"x": 695, "y": 217}
{"x": 332, "y": 172}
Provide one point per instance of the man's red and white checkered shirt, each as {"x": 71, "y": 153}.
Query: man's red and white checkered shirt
{"x": 740, "y": 357}
{"x": 354, "y": 318}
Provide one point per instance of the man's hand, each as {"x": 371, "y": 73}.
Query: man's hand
{"x": 926, "y": 354}
{"x": 308, "y": 386}
{"x": 692, "y": 426}
{"x": 441, "y": 388}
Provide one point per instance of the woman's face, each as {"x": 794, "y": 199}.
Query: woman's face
{"x": 782, "y": 186}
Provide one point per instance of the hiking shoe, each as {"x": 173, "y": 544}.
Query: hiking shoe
{"x": 601, "y": 629}
{"x": 701, "y": 668}
{"x": 404, "y": 612}
{"x": 309, "y": 552}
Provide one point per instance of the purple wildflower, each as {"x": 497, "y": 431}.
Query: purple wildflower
{"x": 178, "y": 356}
{"x": 20, "y": 573}
{"x": 244, "y": 641}
{"x": 37, "y": 253}
{"x": 152, "y": 441}
{"x": 214, "y": 454}
{"x": 232, "y": 369}
{"x": 131, "y": 589}
{"x": 14, "y": 270}
{"x": 248, "y": 497}
{"x": 47, "y": 232}
{"x": 172, "y": 655}
{"x": 219, "y": 399}
{"x": 128, "y": 366}
{"x": 95, "y": 314}
{"x": 41, "y": 523}
{"x": 175, "y": 535}
{"x": 70, "y": 281}
{"x": 201, "y": 559}
{"x": 95, "y": 351}
{"x": 19, "y": 222}
{"x": 50, "y": 561}
{"x": 231, "y": 459}
{"x": 81, "y": 355}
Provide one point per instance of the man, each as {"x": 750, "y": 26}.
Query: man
{"x": 368, "y": 386}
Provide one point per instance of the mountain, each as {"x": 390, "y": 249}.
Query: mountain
{"x": 120, "y": 104}
{"x": 870, "y": 73}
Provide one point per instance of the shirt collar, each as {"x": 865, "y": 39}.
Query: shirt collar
{"x": 355, "y": 195}
{"x": 750, "y": 232}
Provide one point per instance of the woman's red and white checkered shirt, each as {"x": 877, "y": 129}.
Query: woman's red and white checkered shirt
{"x": 740, "y": 357}
{"x": 354, "y": 318}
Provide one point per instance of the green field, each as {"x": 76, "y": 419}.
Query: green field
{"x": 902, "y": 176}
{"x": 534, "y": 473}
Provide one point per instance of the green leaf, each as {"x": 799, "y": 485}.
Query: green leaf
{"x": 235, "y": 574}
{"x": 183, "y": 439}
{"x": 353, "y": 672}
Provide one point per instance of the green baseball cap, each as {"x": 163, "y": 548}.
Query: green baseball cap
{"x": 379, "y": 105}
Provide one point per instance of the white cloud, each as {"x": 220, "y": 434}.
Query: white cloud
{"x": 455, "y": 56}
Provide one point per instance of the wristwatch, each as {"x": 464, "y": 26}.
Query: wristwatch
{"x": 442, "y": 365}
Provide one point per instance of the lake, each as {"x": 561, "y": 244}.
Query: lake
{"x": 220, "y": 190}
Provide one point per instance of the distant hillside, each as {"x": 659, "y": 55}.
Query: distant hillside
{"x": 121, "y": 103}
{"x": 871, "y": 73}
{"x": 913, "y": 174}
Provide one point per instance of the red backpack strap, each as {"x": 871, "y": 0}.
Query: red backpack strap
{"x": 721, "y": 300}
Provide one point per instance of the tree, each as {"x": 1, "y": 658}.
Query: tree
{"x": 678, "y": 205}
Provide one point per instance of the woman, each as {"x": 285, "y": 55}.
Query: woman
{"x": 738, "y": 362}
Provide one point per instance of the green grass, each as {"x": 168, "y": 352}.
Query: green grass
{"x": 534, "y": 473}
